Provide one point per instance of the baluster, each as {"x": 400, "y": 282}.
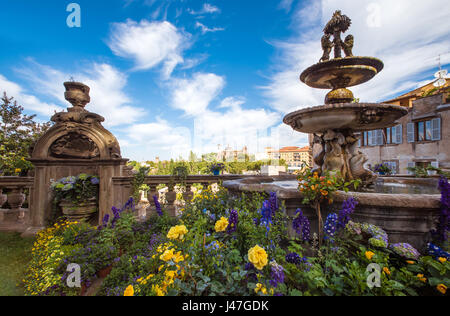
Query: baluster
{"x": 150, "y": 194}
{"x": 188, "y": 194}
{"x": 3, "y": 198}
{"x": 15, "y": 201}
{"x": 171, "y": 196}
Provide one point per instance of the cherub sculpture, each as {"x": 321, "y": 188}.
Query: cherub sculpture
{"x": 327, "y": 45}
{"x": 348, "y": 46}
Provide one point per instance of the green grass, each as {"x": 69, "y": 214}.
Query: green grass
{"x": 15, "y": 253}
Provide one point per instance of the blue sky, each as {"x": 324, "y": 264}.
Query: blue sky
{"x": 172, "y": 76}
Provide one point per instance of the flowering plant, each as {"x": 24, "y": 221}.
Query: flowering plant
{"x": 76, "y": 189}
{"x": 216, "y": 167}
{"x": 382, "y": 168}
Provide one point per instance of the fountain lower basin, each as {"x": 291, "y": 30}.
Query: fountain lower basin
{"x": 405, "y": 217}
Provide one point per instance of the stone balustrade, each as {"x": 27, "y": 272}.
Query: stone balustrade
{"x": 15, "y": 201}
{"x": 123, "y": 189}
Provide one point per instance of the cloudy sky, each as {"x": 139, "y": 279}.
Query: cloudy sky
{"x": 172, "y": 76}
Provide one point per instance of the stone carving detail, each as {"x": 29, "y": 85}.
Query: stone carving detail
{"x": 338, "y": 152}
{"x": 338, "y": 24}
{"x": 74, "y": 145}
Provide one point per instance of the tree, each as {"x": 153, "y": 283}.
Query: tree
{"x": 18, "y": 132}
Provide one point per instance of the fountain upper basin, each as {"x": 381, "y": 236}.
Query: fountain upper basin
{"x": 340, "y": 116}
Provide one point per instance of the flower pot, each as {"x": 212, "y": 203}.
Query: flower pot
{"x": 103, "y": 273}
{"x": 79, "y": 212}
{"x": 216, "y": 172}
{"x": 16, "y": 199}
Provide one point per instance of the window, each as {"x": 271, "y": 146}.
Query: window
{"x": 393, "y": 135}
{"x": 392, "y": 165}
{"x": 429, "y": 130}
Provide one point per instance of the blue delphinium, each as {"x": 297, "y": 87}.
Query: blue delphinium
{"x": 157, "y": 206}
{"x": 232, "y": 221}
{"x": 437, "y": 252}
{"x": 348, "y": 207}
{"x": 266, "y": 215}
{"x": 273, "y": 201}
{"x": 440, "y": 234}
{"x": 330, "y": 226}
{"x": 301, "y": 225}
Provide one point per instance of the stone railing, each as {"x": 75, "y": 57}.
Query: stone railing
{"x": 15, "y": 200}
{"x": 123, "y": 189}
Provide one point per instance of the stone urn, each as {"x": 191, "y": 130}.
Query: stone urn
{"x": 77, "y": 94}
{"x": 16, "y": 199}
{"x": 81, "y": 212}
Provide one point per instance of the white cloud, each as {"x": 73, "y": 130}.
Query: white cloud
{"x": 406, "y": 35}
{"x": 206, "y": 9}
{"x": 194, "y": 95}
{"x": 159, "y": 138}
{"x": 29, "y": 102}
{"x": 106, "y": 82}
{"x": 206, "y": 29}
{"x": 149, "y": 44}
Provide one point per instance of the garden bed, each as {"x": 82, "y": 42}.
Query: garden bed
{"x": 222, "y": 245}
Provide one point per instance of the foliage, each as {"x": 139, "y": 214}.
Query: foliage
{"x": 138, "y": 181}
{"x": 418, "y": 171}
{"x": 231, "y": 245}
{"x": 216, "y": 167}
{"x": 76, "y": 189}
{"x": 382, "y": 168}
{"x": 18, "y": 132}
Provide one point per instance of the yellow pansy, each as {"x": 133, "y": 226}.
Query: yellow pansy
{"x": 441, "y": 288}
{"x": 129, "y": 291}
{"x": 369, "y": 255}
{"x": 259, "y": 287}
{"x": 442, "y": 260}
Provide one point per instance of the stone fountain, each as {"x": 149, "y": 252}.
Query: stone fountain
{"x": 336, "y": 125}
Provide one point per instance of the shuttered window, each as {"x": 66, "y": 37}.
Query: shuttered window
{"x": 398, "y": 135}
{"x": 410, "y": 132}
{"x": 436, "y": 129}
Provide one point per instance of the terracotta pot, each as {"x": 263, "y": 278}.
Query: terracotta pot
{"x": 79, "y": 212}
{"x": 103, "y": 273}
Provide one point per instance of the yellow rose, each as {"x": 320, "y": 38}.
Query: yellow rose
{"x": 258, "y": 256}
{"x": 369, "y": 255}
{"x": 221, "y": 225}
{"x": 129, "y": 291}
{"x": 441, "y": 288}
{"x": 177, "y": 232}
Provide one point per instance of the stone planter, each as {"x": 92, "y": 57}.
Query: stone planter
{"x": 79, "y": 212}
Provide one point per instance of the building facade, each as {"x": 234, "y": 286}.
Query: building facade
{"x": 421, "y": 138}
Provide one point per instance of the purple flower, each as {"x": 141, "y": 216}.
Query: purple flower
{"x": 348, "y": 207}
{"x": 330, "y": 226}
{"x": 273, "y": 201}
{"x": 301, "y": 225}
{"x": 293, "y": 258}
{"x": 157, "y": 205}
{"x": 443, "y": 226}
{"x": 266, "y": 215}
{"x": 277, "y": 274}
{"x": 232, "y": 221}
{"x": 95, "y": 180}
